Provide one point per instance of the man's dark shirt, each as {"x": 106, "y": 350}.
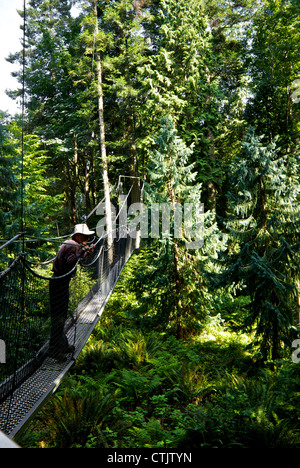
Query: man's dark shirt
{"x": 68, "y": 255}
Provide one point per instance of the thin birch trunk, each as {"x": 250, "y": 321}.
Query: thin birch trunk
{"x": 108, "y": 211}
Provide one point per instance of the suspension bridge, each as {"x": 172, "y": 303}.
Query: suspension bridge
{"x": 29, "y": 375}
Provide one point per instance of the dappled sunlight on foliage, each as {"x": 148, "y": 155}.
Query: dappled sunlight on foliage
{"x": 136, "y": 388}
{"x": 197, "y": 102}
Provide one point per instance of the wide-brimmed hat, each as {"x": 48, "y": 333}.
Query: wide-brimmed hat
{"x": 82, "y": 229}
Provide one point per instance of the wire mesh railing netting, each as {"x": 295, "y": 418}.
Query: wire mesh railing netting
{"x": 26, "y": 325}
{"x": 24, "y": 322}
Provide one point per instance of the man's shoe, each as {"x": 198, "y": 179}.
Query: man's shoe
{"x": 67, "y": 349}
{"x": 60, "y": 357}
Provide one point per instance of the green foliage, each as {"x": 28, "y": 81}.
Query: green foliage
{"x": 274, "y": 64}
{"x": 75, "y": 415}
{"x": 9, "y": 189}
{"x": 41, "y": 205}
{"x": 169, "y": 283}
{"x": 264, "y": 226}
{"x": 178, "y": 394}
{"x": 168, "y": 366}
{"x": 180, "y": 79}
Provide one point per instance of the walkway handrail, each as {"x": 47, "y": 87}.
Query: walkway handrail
{"x": 12, "y": 240}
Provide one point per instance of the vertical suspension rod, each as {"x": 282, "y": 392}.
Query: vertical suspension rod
{"x": 23, "y": 124}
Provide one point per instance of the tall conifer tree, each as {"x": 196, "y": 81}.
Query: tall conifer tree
{"x": 274, "y": 65}
{"x": 181, "y": 80}
{"x": 263, "y": 220}
{"x": 178, "y": 291}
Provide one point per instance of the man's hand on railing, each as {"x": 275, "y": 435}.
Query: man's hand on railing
{"x": 88, "y": 249}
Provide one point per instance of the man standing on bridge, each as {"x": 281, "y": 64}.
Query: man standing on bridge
{"x": 64, "y": 268}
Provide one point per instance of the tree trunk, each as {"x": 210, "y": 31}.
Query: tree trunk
{"x": 87, "y": 186}
{"x": 177, "y": 274}
{"x": 108, "y": 212}
{"x": 298, "y": 301}
{"x": 212, "y": 190}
